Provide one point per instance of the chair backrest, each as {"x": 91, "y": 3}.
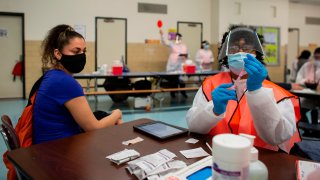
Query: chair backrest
{"x": 9, "y": 134}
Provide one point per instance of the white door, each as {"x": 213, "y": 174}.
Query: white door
{"x": 111, "y": 41}
{"x": 293, "y": 51}
{"x": 191, "y": 36}
{"x": 11, "y": 50}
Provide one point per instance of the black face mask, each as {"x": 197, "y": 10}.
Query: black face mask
{"x": 73, "y": 63}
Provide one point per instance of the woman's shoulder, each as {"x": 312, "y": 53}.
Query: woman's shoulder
{"x": 57, "y": 74}
{"x": 59, "y": 77}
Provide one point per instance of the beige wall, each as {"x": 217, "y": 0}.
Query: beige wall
{"x": 147, "y": 57}
{"x": 141, "y": 58}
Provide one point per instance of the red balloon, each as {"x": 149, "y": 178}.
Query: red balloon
{"x": 159, "y": 23}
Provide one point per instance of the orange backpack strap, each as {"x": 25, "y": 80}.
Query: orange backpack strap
{"x": 24, "y": 125}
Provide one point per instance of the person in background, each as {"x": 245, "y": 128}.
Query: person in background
{"x": 241, "y": 100}
{"x": 309, "y": 76}
{"x": 178, "y": 56}
{"x": 204, "y": 57}
{"x": 297, "y": 63}
{"x": 310, "y": 71}
{"x": 61, "y": 109}
{"x": 287, "y": 86}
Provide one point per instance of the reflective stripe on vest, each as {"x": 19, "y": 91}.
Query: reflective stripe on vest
{"x": 238, "y": 118}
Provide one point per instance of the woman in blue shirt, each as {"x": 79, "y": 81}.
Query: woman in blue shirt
{"x": 61, "y": 109}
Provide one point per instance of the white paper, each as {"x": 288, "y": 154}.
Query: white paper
{"x": 123, "y": 156}
{"x": 132, "y": 141}
{"x": 308, "y": 170}
{"x": 192, "y": 141}
{"x": 155, "y": 165}
{"x": 194, "y": 153}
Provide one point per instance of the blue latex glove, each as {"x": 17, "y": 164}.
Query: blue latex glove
{"x": 220, "y": 97}
{"x": 256, "y": 72}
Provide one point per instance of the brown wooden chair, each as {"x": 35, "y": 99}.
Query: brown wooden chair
{"x": 10, "y": 137}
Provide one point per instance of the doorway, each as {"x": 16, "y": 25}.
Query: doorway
{"x": 292, "y": 52}
{"x": 12, "y": 55}
{"x": 111, "y": 40}
{"x": 191, "y": 36}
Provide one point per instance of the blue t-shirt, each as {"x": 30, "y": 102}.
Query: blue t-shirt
{"x": 51, "y": 119}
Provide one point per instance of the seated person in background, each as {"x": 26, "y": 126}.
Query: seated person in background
{"x": 178, "y": 56}
{"x": 298, "y": 63}
{"x": 61, "y": 109}
{"x": 241, "y": 100}
{"x": 286, "y": 86}
{"x": 204, "y": 57}
{"x": 310, "y": 71}
{"x": 309, "y": 76}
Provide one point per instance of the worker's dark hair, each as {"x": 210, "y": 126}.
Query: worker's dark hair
{"x": 317, "y": 51}
{"x": 203, "y": 43}
{"x": 305, "y": 54}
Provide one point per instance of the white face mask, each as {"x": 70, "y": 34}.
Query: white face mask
{"x": 317, "y": 63}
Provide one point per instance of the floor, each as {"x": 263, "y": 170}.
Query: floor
{"x": 171, "y": 110}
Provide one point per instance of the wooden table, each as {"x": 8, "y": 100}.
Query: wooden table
{"x": 83, "y": 156}
{"x": 307, "y": 93}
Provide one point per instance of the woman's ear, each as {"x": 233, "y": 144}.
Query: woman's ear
{"x": 57, "y": 54}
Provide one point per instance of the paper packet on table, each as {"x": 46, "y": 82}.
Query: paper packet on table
{"x": 123, "y": 156}
{"x": 155, "y": 166}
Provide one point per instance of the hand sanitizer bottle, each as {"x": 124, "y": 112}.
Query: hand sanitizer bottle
{"x": 257, "y": 170}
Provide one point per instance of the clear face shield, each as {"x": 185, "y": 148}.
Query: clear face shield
{"x": 241, "y": 40}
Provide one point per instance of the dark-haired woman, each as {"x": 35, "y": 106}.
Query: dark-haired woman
{"x": 61, "y": 109}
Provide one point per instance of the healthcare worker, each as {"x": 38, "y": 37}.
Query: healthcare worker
{"x": 177, "y": 57}
{"x": 242, "y": 101}
{"x": 310, "y": 71}
{"x": 204, "y": 57}
{"x": 309, "y": 75}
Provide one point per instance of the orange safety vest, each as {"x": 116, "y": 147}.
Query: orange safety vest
{"x": 238, "y": 118}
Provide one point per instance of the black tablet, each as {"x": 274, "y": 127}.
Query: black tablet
{"x": 160, "y": 130}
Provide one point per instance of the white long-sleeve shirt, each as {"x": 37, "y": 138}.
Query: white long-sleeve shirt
{"x": 308, "y": 72}
{"x": 204, "y": 59}
{"x": 274, "y": 122}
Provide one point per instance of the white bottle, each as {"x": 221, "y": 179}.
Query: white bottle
{"x": 257, "y": 170}
{"x": 231, "y": 157}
